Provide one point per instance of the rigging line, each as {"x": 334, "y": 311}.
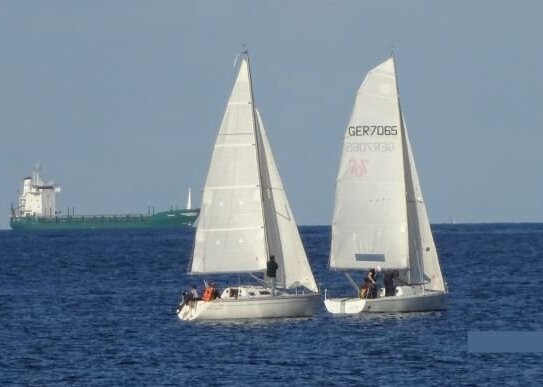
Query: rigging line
{"x": 350, "y": 279}
{"x": 259, "y": 279}
{"x": 258, "y": 146}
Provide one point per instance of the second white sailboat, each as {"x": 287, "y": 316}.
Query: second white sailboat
{"x": 380, "y": 217}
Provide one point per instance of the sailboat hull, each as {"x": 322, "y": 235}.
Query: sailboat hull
{"x": 425, "y": 302}
{"x": 283, "y": 306}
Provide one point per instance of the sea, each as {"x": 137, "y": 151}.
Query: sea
{"x": 98, "y": 308}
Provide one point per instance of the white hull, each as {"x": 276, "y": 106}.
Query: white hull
{"x": 424, "y": 302}
{"x": 284, "y": 305}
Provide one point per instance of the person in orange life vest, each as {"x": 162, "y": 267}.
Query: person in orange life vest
{"x": 211, "y": 292}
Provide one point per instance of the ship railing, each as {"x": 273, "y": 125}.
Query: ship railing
{"x": 85, "y": 218}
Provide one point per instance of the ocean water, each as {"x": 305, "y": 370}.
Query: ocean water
{"x": 98, "y": 308}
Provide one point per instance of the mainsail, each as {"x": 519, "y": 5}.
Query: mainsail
{"x": 369, "y": 226}
{"x": 230, "y": 234}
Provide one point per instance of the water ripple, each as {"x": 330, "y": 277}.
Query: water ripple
{"x": 98, "y": 308}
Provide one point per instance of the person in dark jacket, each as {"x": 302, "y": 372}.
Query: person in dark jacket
{"x": 215, "y": 293}
{"x": 271, "y": 273}
{"x": 390, "y": 281}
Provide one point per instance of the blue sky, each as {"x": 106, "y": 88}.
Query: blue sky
{"x": 121, "y": 101}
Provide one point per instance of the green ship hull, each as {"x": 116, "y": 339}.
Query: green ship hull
{"x": 166, "y": 219}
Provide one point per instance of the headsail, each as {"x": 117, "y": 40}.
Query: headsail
{"x": 369, "y": 226}
{"x": 230, "y": 232}
{"x": 283, "y": 237}
{"x": 424, "y": 263}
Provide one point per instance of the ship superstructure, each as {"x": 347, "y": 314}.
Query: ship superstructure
{"x": 38, "y": 196}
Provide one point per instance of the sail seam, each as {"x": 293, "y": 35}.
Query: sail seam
{"x": 236, "y": 134}
{"x": 233, "y": 145}
{"x": 233, "y": 187}
{"x": 231, "y": 229}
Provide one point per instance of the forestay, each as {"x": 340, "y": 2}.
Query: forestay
{"x": 230, "y": 233}
{"x": 369, "y": 225}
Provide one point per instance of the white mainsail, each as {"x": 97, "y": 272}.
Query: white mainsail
{"x": 230, "y": 233}
{"x": 369, "y": 226}
{"x": 283, "y": 237}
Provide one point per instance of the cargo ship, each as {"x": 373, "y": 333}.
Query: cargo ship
{"x": 36, "y": 210}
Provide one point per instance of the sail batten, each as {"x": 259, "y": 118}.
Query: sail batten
{"x": 233, "y": 145}
{"x": 230, "y": 229}
{"x": 226, "y": 272}
{"x": 232, "y": 187}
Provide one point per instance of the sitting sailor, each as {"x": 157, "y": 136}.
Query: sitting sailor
{"x": 210, "y": 292}
{"x": 369, "y": 288}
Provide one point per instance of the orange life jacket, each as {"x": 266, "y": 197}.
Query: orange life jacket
{"x": 208, "y": 294}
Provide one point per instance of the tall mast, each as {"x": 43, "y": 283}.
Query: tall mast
{"x": 408, "y": 180}
{"x": 258, "y": 146}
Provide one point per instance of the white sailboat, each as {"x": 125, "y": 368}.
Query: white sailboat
{"x": 246, "y": 218}
{"x": 189, "y": 201}
{"x": 380, "y": 217}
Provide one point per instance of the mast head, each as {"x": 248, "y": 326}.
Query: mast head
{"x": 244, "y": 53}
